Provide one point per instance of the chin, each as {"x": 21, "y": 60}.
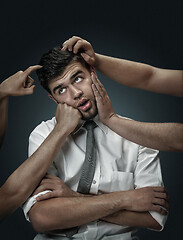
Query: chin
{"x": 89, "y": 115}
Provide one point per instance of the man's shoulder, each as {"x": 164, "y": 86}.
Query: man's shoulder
{"x": 45, "y": 127}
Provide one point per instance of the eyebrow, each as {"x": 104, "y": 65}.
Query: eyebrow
{"x": 75, "y": 74}
{"x": 57, "y": 87}
{"x": 60, "y": 85}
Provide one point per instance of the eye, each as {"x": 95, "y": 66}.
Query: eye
{"x": 61, "y": 90}
{"x": 77, "y": 79}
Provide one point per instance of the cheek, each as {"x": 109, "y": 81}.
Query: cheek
{"x": 66, "y": 99}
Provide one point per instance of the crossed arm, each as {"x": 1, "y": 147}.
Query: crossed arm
{"x": 127, "y": 208}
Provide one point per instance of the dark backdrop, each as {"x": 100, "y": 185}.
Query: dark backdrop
{"x": 144, "y": 31}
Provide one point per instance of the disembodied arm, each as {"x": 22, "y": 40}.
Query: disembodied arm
{"x": 129, "y": 73}
{"x": 20, "y": 185}
{"x": 161, "y": 136}
{"x": 18, "y": 84}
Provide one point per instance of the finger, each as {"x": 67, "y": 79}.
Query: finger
{"x": 161, "y": 202}
{"x": 81, "y": 45}
{"x": 28, "y": 82}
{"x": 43, "y": 187}
{"x": 159, "y": 189}
{"x": 95, "y": 89}
{"x": 96, "y": 93}
{"x": 30, "y": 69}
{"x": 69, "y": 44}
{"x": 45, "y": 196}
{"x": 162, "y": 196}
{"x": 87, "y": 58}
{"x": 159, "y": 210}
{"x": 48, "y": 195}
{"x": 98, "y": 85}
{"x": 28, "y": 91}
{"x": 49, "y": 176}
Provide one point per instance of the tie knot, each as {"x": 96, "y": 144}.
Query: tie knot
{"x": 89, "y": 125}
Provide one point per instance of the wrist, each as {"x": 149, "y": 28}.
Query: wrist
{"x": 61, "y": 129}
{"x": 3, "y": 94}
{"x": 97, "y": 60}
{"x": 109, "y": 120}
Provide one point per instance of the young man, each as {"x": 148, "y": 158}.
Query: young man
{"x": 161, "y": 136}
{"x": 126, "y": 191}
{"x": 22, "y": 182}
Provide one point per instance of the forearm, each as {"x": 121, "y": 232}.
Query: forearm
{"x": 125, "y": 72}
{"x": 161, "y": 136}
{"x": 140, "y": 75}
{"x": 3, "y": 118}
{"x": 133, "y": 219}
{"x": 24, "y": 180}
{"x": 50, "y": 214}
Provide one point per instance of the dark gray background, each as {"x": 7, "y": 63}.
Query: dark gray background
{"x": 144, "y": 31}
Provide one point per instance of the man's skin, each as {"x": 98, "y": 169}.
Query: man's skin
{"x": 20, "y": 185}
{"x": 71, "y": 88}
{"x": 19, "y": 84}
{"x": 161, "y": 136}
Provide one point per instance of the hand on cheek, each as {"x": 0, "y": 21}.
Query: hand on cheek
{"x": 104, "y": 105}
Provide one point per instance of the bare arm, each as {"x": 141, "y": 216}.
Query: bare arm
{"x": 21, "y": 184}
{"x": 161, "y": 136}
{"x": 129, "y": 73}
{"x": 18, "y": 84}
{"x": 133, "y": 219}
{"x": 50, "y": 214}
{"x": 4, "y": 118}
{"x": 139, "y": 75}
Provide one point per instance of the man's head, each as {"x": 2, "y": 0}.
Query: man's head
{"x": 67, "y": 78}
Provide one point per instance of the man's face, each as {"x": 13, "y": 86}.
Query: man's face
{"x": 73, "y": 87}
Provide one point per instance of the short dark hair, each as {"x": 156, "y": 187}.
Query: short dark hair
{"x": 54, "y": 63}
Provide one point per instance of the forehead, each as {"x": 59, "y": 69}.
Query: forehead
{"x": 70, "y": 70}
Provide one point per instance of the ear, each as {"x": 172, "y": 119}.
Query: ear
{"x": 52, "y": 98}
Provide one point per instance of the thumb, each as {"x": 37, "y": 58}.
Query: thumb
{"x": 30, "y": 90}
{"x": 87, "y": 58}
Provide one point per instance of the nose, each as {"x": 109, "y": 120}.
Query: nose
{"x": 75, "y": 92}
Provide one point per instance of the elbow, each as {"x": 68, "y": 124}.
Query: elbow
{"x": 39, "y": 223}
{"x": 156, "y": 226}
{"x": 42, "y": 221}
{"x": 38, "y": 220}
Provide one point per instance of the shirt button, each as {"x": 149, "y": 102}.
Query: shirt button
{"x": 94, "y": 181}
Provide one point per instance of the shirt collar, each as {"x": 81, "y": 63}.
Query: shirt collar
{"x": 96, "y": 119}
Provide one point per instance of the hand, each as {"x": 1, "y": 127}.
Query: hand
{"x": 77, "y": 44}
{"x": 68, "y": 117}
{"x": 105, "y": 109}
{"x": 57, "y": 187}
{"x": 19, "y": 84}
{"x": 148, "y": 199}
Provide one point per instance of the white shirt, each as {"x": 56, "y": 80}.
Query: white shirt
{"x": 121, "y": 165}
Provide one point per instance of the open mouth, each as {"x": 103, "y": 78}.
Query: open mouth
{"x": 84, "y": 105}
